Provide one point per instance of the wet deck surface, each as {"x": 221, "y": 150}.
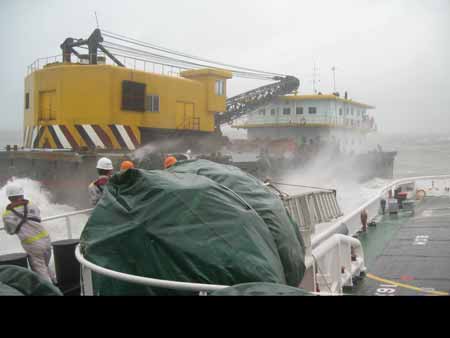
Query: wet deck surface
{"x": 409, "y": 254}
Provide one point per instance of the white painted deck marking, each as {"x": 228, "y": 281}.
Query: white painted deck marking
{"x": 421, "y": 240}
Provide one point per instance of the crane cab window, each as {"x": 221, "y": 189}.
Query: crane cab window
{"x": 220, "y": 87}
{"x": 133, "y": 96}
{"x": 152, "y": 104}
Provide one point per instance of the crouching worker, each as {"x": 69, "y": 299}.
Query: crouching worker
{"x": 105, "y": 171}
{"x": 22, "y": 218}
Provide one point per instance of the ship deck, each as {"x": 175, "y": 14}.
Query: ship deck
{"x": 408, "y": 254}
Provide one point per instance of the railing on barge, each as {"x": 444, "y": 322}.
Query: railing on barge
{"x": 130, "y": 62}
{"x": 327, "y": 120}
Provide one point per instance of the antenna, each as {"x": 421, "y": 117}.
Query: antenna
{"x": 333, "y": 69}
{"x": 315, "y": 73}
{"x": 96, "y": 19}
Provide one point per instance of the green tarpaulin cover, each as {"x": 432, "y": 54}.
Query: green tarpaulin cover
{"x": 180, "y": 227}
{"x": 284, "y": 230}
{"x": 18, "y": 281}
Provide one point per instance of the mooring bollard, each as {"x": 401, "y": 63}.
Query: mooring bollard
{"x": 66, "y": 266}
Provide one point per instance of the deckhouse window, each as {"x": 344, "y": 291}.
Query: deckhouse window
{"x": 27, "y": 100}
{"x": 312, "y": 110}
{"x": 287, "y": 111}
{"x": 299, "y": 110}
{"x": 152, "y": 104}
{"x": 220, "y": 87}
{"x": 133, "y": 96}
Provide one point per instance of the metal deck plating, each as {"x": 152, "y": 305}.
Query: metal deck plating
{"x": 409, "y": 254}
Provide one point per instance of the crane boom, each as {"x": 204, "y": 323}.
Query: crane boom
{"x": 239, "y": 105}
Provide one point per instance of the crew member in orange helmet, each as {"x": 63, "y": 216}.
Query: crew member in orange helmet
{"x": 125, "y": 165}
{"x": 169, "y": 161}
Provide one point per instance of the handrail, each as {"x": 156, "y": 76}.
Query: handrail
{"x": 65, "y": 216}
{"x": 346, "y": 218}
{"x": 74, "y": 213}
{"x": 138, "y": 64}
{"x": 145, "y": 280}
{"x": 342, "y": 259}
{"x": 324, "y": 119}
{"x": 336, "y": 239}
{"x": 185, "y": 286}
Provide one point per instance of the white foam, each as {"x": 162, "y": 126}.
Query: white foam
{"x": 334, "y": 174}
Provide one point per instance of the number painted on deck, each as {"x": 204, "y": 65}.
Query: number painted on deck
{"x": 421, "y": 240}
{"x": 386, "y": 290}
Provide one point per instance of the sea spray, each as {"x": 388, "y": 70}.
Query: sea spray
{"x": 328, "y": 170}
{"x": 159, "y": 148}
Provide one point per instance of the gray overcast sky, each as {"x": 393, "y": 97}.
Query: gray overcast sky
{"x": 393, "y": 54}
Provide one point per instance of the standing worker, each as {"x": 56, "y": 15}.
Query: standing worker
{"x": 125, "y": 165}
{"x": 22, "y": 218}
{"x": 364, "y": 217}
{"x": 105, "y": 171}
{"x": 383, "y": 206}
{"x": 169, "y": 161}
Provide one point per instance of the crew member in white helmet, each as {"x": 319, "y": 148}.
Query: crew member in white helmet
{"x": 105, "y": 171}
{"x": 22, "y": 218}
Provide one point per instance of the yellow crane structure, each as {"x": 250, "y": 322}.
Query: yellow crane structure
{"x": 102, "y": 106}
{"x": 93, "y": 105}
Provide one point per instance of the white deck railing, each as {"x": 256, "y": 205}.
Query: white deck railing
{"x": 352, "y": 221}
{"x": 66, "y": 217}
{"x": 323, "y": 119}
{"x": 88, "y": 290}
{"x": 331, "y": 251}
